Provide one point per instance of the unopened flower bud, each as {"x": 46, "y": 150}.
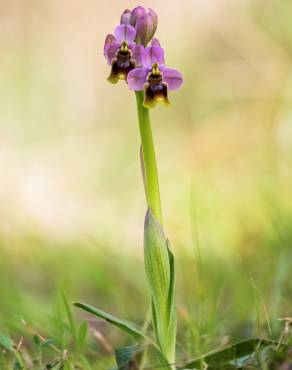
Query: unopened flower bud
{"x": 125, "y": 17}
{"x": 136, "y": 14}
{"x": 146, "y": 27}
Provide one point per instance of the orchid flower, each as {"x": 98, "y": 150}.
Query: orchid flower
{"x": 122, "y": 53}
{"x": 154, "y": 77}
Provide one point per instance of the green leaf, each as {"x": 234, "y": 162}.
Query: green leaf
{"x": 125, "y": 326}
{"x": 126, "y": 357}
{"x": 229, "y": 353}
{"x": 6, "y": 342}
{"x": 82, "y": 333}
{"x": 156, "y": 262}
{"x": 160, "y": 271}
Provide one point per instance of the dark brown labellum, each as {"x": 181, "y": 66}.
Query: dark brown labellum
{"x": 155, "y": 90}
{"x": 122, "y": 64}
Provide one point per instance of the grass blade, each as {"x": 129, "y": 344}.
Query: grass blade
{"x": 69, "y": 314}
{"x": 82, "y": 333}
{"x": 125, "y": 326}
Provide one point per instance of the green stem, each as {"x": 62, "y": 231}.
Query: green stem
{"x": 149, "y": 167}
{"x": 156, "y": 251}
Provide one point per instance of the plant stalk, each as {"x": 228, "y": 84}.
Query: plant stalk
{"x": 159, "y": 264}
{"x": 149, "y": 167}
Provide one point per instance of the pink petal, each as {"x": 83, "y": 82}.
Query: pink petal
{"x": 125, "y": 32}
{"x": 155, "y": 42}
{"x": 110, "y": 47}
{"x": 172, "y": 77}
{"x": 131, "y": 45}
{"x": 125, "y": 17}
{"x": 153, "y": 54}
{"x": 137, "y": 78}
{"x": 137, "y": 53}
{"x": 110, "y": 39}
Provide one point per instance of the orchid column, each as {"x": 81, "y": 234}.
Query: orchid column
{"x": 143, "y": 68}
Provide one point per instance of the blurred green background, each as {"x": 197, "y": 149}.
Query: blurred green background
{"x": 71, "y": 196}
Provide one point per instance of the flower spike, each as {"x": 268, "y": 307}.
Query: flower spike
{"x": 143, "y": 67}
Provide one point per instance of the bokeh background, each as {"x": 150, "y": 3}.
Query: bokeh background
{"x": 71, "y": 197}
